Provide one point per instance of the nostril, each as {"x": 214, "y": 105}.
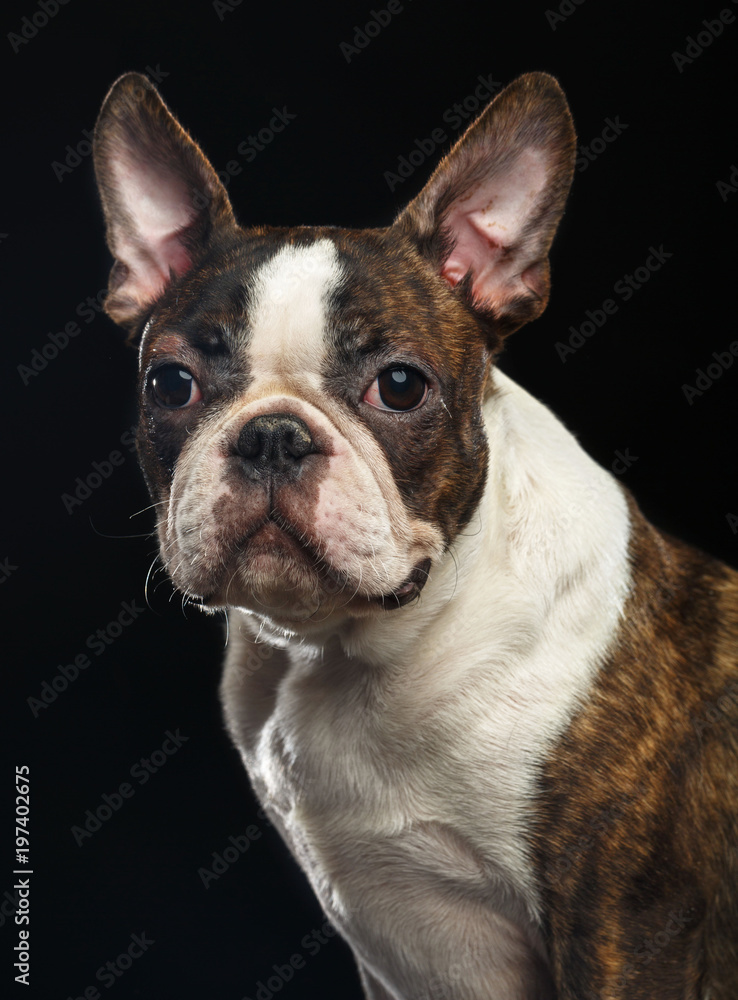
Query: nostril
{"x": 297, "y": 440}
{"x": 275, "y": 441}
{"x": 250, "y": 442}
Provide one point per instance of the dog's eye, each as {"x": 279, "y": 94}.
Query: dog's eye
{"x": 175, "y": 387}
{"x": 397, "y": 388}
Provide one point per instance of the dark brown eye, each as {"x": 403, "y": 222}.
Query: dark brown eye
{"x": 175, "y": 387}
{"x": 397, "y": 388}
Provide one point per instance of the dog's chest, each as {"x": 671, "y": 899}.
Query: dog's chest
{"x": 370, "y": 784}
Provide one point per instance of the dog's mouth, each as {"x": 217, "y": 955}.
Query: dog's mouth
{"x": 409, "y": 589}
{"x": 277, "y": 561}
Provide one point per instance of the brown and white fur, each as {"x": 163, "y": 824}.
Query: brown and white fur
{"x": 492, "y": 710}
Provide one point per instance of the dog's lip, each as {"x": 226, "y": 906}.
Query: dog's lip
{"x": 283, "y": 528}
{"x": 406, "y": 592}
{"x": 409, "y": 589}
{"x": 301, "y": 550}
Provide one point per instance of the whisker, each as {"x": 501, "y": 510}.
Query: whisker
{"x": 151, "y": 506}
{"x": 103, "y": 534}
{"x": 148, "y": 579}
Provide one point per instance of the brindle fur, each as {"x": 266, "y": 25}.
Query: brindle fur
{"x": 635, "y": 833}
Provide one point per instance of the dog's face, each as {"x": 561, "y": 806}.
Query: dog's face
{"x": 311, "y": 398}
{"x": 303, "y": 432}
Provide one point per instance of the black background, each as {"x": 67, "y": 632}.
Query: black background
{"x": 653, "y": 185}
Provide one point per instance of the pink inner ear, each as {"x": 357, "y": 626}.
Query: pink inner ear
{"x": 152, "y": 274}
{"x": 157, "y": 205}
{"x": 473, "y": 250}
{"x": 488, "y": 225}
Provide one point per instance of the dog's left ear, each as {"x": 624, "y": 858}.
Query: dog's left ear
{"x": 164, "y": 204}
{"x": 490, "y": 209}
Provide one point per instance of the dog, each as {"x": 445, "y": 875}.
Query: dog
{"x": 492, "y": 711}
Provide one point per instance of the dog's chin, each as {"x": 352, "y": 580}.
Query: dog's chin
{"x": 275, "y": 576}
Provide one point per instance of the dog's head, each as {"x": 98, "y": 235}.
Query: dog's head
{"x": 311, "y": 398}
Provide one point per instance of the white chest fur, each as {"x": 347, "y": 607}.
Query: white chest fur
{"x": 400, "y": 760}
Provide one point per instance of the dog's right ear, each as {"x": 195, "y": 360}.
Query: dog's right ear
{"x": 163, "y": 202}
{"x": 486, "y": 218}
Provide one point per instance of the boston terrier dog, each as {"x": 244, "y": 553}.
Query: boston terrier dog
{"x": 492, "y": 711}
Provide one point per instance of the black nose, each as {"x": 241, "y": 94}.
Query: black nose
{"x": 274, "y": 444}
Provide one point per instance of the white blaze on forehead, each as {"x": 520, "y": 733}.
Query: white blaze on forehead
{"x": 289, "y": 310}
